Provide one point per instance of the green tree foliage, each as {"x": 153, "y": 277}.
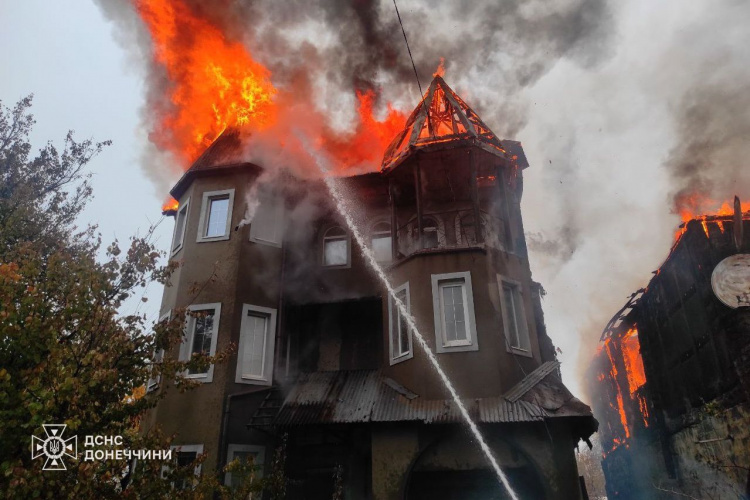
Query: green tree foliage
{"x": 66, "y": 354}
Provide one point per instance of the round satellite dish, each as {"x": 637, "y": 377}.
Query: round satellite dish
{"x": 731, "y": 280}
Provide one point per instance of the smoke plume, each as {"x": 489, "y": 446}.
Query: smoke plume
{"x": 323, "y": 56}
{"x": 629, "y": 112}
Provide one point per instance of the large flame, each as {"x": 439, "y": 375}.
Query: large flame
{"x": 372, "y": 136}
{"x": 697, "y": 207}
{"x": 631, "y": 355}
{"x": 620, "y": 408}
{"x": 215, "y": 83}
{"x": 621, "y": 388}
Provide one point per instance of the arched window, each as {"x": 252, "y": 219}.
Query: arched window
{"x": 380, "y": 239}
{"x": 430, "y": 230}
{"x": 336, "y": 247}
{"x": 467, "y": 230}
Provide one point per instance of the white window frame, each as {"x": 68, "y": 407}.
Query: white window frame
{"x": 393, "y": 313}
{"x": 153, "y": 382}
{"x": 373, "y": 233}
{"x": 274, "y": 205}
{"x": 205, "y": 207}
{"x": 260, "y": 459}
{"x": 472, "y": 342}
{"x": 181, "y": 238}
{"x": 506, "y": 323}
{"x": 187, "y": 346}
{"x": 197, "y": 448}
{"x": 270, "y": 345}
{"x": 323, "y": 239}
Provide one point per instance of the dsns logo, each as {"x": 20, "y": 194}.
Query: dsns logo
{"x": 54, "y": 447}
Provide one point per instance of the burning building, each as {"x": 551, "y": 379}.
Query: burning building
{"x": 326, "y": 363}
{"x": 671, "y": 381}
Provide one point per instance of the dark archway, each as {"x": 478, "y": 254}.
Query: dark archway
{"x": 454, "y": 468}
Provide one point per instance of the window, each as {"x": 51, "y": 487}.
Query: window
{"x": 255, "y": 352}
{"x": 201, "y": 336}
{"x": 467, "y": 233}
{"x": 400, "y": 334}
{"x": 430, "y": 230}
{"x": 184, "y": 455}
{"x": 216, "y": 215}
{"x": 267, "y": 226}
{"x": 153, "y": 381}
{"x": 381, "y": 241}
{"x": 453, "y": 303}
{"x": 179, "y": 227}
{"x": 514, "y": 318}
{"x": 245, "y": 452}
{"x": 336, "y": 248}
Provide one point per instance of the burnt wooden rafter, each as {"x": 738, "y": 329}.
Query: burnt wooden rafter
{"x": 441, "y": 116}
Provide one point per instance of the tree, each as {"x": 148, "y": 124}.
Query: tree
{"x": 66, "y": 354}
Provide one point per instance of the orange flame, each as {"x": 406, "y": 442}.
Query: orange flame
{"x": 620, "y": 404}
{"x": 440, "y": 71}
{"x": 631, "y": 355}
{"x": 215, "y": 83}
{"x": 170, "y": 205}
{"x": 371, "y": 137}
{"x": 695, "y": 207}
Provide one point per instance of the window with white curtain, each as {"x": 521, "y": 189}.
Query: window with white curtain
{"x": 256, "y": 346}
{"x": 453, "y": 306}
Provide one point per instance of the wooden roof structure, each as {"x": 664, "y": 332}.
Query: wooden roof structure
{"x": 441, "y": 117}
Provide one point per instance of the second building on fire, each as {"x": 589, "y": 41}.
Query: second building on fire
{"x": 324, "y": 361}
{"x": 671, "y": 382}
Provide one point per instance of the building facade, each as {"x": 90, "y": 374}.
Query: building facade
{"x": 325, "y": 363}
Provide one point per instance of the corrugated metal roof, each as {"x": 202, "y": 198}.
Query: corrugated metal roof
{"x": 531, "y": 380}
{"x": 498, "y": 410}
{"x": 365, "y": 396}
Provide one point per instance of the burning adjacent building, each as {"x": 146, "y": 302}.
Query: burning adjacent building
{"x": 671, "y": 380}
{"x": 324, "y": 361}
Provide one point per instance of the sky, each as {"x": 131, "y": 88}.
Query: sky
{"x": 65, "y": 54}
{"x": 611, "y": 124}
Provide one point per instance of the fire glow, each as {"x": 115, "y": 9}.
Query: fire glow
{"x": 215, "y": 84}
{"x": 627, "y": 400}
{"x": 702, "y": 209}
{"x": 631, "y": 355}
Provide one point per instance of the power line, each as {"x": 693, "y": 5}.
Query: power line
{"x": 408, "y": 49}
